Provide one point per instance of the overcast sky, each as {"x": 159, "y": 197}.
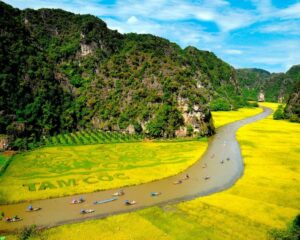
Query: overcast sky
{"x": 245, "y": 33}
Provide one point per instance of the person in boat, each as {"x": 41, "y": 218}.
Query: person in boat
{"x": 81, "y": 199}
{"x": 178, "y": 182}
{"x": 127, "y": 202}
{"x": 187, "y": 176}
{"x": 222, "y": 161}
{"x": 30, "y": 208}
{"x": 206, "y": 178}
{"x": 228, "y": 159}
{"x": 82, "y": 211}
{"x": 74, "y": 201}
{"x": 8, "y": 219}
{"x": 15, "y": 218}
{"x": 153, "y": 194}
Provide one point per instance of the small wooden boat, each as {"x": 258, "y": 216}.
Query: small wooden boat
{"x": 154, "y": 194}
{"x": 118, "y": 193}
{"x": 177, "y": 182}
{"x": 85, "y": 211}
{"x": 75, "y": 201}
{"x": 106, "y": 200}
{"x": 186, "y": 177}
{"x": 14, "y": 219}
{"x": 33, "y": 209}
{"x": 127, "y": 202}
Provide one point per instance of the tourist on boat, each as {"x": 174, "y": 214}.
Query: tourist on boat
{"x": 127, "y": 202}
{"x": 119, "y": 193}
{"x": 153, "y": 194}
{"x": 30, "y": 208}
{"x": 178, "y": 182}
{"x": 222, "y": 161}
{"x": 187, "y": 176}
{"x": 82, "y": 211}
{"x": 228, "y": 159}
{"x": 81, "y": 199}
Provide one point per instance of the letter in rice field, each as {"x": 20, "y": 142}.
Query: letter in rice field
{"x": 105, "y": 178}
{"x": 71, "y": 182}
{"x": 31, "y": 186}
{"x": 90, "y": 180}
{"x": 46, "y": 185}
{"x": 120, "y": 176}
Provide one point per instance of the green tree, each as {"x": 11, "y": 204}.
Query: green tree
{"x": 279, "y": 113}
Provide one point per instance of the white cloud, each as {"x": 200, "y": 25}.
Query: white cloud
{"x": 292, "y": 11}
{"x": 284, "y": 27}
{"x": 264, "y": 7}
{"x": 132, "y": 20}
{"x": 233, "y": 51}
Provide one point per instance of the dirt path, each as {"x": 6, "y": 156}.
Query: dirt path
{"x": 213, "y": 165}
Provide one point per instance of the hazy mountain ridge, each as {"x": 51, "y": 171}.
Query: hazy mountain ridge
{"x": 276, "y": 87}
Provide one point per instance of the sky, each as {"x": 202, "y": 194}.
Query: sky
{"x": 245, "y": 33}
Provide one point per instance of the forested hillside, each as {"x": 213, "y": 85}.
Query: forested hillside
{"x": 62, "y": 72}
{"x": 276, "y": 87}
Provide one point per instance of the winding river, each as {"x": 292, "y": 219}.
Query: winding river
{"x": 218, "y": 169}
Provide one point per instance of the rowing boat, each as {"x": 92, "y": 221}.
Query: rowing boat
{"x": 106, "y": 200}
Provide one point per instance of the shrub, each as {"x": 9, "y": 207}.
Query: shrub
{"x": 190, "y": 130}
{"x": 253, "y": 104}
{"x": 27, "y": 232}
{"x": 292, "y": 233}
{"x": 279, "y": 113}
{"x": 294, "y": 118}
{"x": 219, "y": 104}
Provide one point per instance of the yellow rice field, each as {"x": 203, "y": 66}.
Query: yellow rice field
{"x": 224, "y": 117}
{"x": 266, "y": 197}
{"x": 67, "y": 170}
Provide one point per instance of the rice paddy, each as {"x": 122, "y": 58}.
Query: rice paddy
{"x": 266, "y": 197}
{"x": 66, "y": 170}
{"x": 224, "y": 117}
{"x": 89, "y": 136}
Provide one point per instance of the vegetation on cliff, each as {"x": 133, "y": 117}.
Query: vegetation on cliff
{"x": 276, "y": 87}
{"x": 62, "y": 72}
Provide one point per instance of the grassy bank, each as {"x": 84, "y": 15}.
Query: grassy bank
{"x": 266, "y": 197}
{"x": 66, "y": 170}
{"x": 5, "y": 158}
